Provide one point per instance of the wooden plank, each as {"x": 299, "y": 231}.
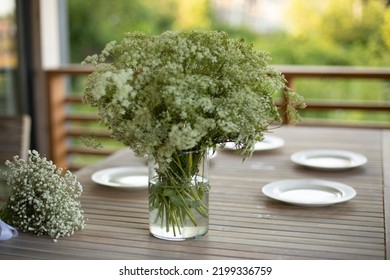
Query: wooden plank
{"x": 347, "y": 105}
{"x": 56, "y": 107}
{"x": 82, "y": 118}
{"x": 288, "y": 70}
{"x": 90, "y": 151}
{"x": 386, "y": 187}
{"x": 83, "y": 132}
{"x": 295, "y": 71}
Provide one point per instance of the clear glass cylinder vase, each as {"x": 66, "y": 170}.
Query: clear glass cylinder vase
{"x": 179, "y": 196}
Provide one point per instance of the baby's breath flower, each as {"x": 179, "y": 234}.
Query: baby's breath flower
{"x": 42, "y": 199}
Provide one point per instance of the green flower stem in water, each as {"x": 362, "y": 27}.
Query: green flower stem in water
{"x": 178, "y": 190}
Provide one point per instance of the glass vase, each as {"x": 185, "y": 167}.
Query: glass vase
{"x": 179, "y": 196}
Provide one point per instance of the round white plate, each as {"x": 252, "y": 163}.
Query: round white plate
{"x": 309, "y": 192}
{"x": 329, "y": 159}
{"x": 122, "y": 177}
{"x": 269, "y": 142}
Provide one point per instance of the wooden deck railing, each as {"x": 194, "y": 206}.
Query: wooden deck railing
{"x": 61, "y": 118}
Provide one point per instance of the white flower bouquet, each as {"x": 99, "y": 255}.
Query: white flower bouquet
{"x": 184, "y": 91}
{"x": 42, "y": 199}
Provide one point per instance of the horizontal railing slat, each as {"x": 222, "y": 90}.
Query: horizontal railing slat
{"x": 322, "y": 105}
{"x": 85, "y": 132}
{"x": 82, "y": 118}
{"x": 89, "y": 151}
{"x": 299, "y": 71}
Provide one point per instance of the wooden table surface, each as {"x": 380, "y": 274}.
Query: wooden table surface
{"x": 244, "y": 223}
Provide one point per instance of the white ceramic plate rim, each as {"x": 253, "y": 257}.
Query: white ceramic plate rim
{"x": 211, "y": 153}
{"x": 276, "y": 189}
{"x": 104, "y": 176}
{"x": 270, "y": 142}
{"x": 302, "y": 157}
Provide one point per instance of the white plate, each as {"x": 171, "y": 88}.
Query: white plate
{"x": 269, "y": 143}
{"x": 122, "y": 177}
{"x": 329, "y": 159}
{"x": 211, "y": 153}
{"x": 309, "y": 192}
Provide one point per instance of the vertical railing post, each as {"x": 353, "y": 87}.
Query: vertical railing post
{"x": 56, "y": 83}
{"x": 283, "y": 107}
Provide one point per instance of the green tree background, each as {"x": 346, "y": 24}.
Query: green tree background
{"x": 348, "y": 32}
{"x": 332, "y": 32}
{"x": 93, "y": 23}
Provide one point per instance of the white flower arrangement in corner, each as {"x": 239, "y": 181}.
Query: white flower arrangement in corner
{"x": 42, "y": 200}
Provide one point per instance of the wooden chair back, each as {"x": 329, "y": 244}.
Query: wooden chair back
{"x": 14, "y": 137}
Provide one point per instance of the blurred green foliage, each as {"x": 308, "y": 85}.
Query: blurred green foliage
{"x": 93, "y": 23}
{"x": 348, "y": 32}
{"x": 332, "y": 32}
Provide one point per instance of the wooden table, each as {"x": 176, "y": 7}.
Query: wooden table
{"x": 244, "y": 223}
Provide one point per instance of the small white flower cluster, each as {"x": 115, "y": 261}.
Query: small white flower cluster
{"x": 43, "y": 199}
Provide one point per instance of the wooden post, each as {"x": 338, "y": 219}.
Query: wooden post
{"x": 57, "y": 126}
{"x": 283, "y": 107}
